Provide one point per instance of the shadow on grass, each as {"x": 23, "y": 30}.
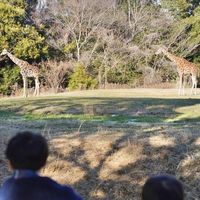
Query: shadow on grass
{"x": 112, "y": 161}
{"x": 109, "y": 164}
{"x": 115, "y": 165}
{"x": 127, "y": 110}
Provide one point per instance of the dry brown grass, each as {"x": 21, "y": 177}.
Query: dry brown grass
{"x": 113, "y": 163}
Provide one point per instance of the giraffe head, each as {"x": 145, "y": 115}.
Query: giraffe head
{"x": 4, "y": 52}
{"x": 161, "y": 49}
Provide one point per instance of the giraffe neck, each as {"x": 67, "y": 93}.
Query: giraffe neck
{"x": 16, "y": 60}
{"x": 170, "y": 56}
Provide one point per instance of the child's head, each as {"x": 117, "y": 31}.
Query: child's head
{"x": 162, "y": 188}
{"x": 27, "y": 150}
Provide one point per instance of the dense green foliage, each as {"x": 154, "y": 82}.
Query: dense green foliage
{"x": 114, "y": 40}
{"x": 186, "y": 27}
{"x": 23, "y": 39}
{"x": 81, "y": 80}
{"x": 20, "y": 38}
{"x": 10, "y": 77}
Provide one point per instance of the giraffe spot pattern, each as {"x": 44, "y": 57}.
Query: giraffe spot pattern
{"x": 28, "y": 72}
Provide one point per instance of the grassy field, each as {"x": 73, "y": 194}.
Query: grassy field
{"x": 105, "y": 143}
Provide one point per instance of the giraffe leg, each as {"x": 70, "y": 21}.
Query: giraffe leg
{"x": 194, "y": 85}
{"x": 192, "y": 88}
{"x": 25, "y": 87}
{"x": 195, "y": 92}
{"x": 183, "y": 85}
{"x": 180, "y": 84}
{"x": 37, "y": 87}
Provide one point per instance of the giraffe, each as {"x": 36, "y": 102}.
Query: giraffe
{"x": 26, "y": 70}
{"x": 184, "y": 67}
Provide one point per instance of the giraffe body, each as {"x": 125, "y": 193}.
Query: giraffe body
{"x": 184, "y": 67}
{"x": 26, "y": 70}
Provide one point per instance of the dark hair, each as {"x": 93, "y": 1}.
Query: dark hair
{"x": 162, "y": 187}
{"x": 27, "y": 150}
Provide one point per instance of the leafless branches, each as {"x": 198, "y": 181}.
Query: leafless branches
{"x": 55, "y": 73}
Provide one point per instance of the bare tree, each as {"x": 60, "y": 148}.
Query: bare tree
{"x": 75, "y": 21}
{"x": 55, "y": 73}
{"x": 79, "y": 28}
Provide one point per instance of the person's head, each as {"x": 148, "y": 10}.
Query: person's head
{"x": 162, "y": 187}
{"x": 27, "y": 150}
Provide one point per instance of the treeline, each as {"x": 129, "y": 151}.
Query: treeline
{"x": 90, "y": 44}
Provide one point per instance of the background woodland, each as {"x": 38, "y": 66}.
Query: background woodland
{"x": 88, "y": 44}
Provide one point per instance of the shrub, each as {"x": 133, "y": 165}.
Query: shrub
{"x": 81, "y": 80}
{"x": 55, "y": 73}
{"x": 9, "y": 76}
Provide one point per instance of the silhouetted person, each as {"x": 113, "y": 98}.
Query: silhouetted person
{"x": 162, "y": 187}
{"x": 27, "y": 153}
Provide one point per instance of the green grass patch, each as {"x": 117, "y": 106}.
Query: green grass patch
{"x": 7, "y": 114}
{"x": 103, "y": 118}
{"x": 186, "y": 113}
{"x": 101, "y": 109}
{"x": 66, "y": 116}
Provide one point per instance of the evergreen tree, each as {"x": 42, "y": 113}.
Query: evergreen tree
{"x": 178, "y": 8}
{"x": 21, "y": 39}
